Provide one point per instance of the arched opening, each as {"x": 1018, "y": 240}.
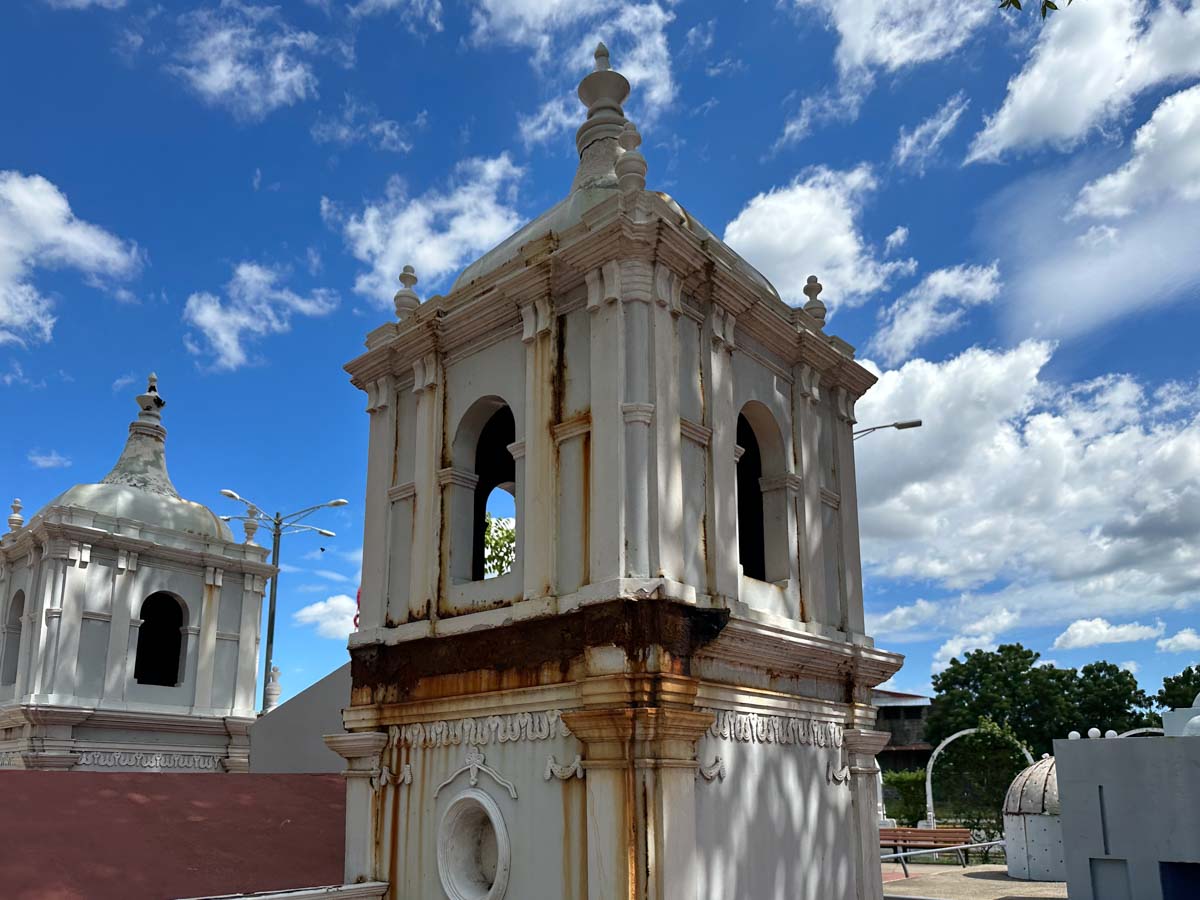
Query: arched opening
{"x": 752, "y": 552}
{"x": 160, "y": 656}
{"x": 496, "y": 470}
{"x": 11, "y": 650}
{"x": 762, "y": 495}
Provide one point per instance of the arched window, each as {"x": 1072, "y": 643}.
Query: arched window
{"x": 761, "y": 496}
{"x": 496, "y": 470}
{"x": 11, "y": 650}
{"x": 160, "y": 641}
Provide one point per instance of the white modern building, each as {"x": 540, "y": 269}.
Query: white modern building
{"x": 669, "y": 694}
{"x": 130, "y": 624}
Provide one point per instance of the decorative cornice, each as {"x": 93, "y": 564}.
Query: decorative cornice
{"x": 460, "y": 477}
{"x": 399, "y": 492}
{"x": 698, "y": 434}
{"x": 503, "y": 729}
{"x": 788, "y": 480}
{"x": 149, "y": 760}
{"x": 474, "y": 764}
{"x": 642, "y": 413}
{"x": 754, "y": 728}
{"x": 571, "y": 428}
{"x": 831, "y": 498}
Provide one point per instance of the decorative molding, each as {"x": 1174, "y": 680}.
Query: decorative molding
{"x": 564, "y": 431}
{"x": 738, "y": 452}
{"x": 723, "y": 325}
{"x": 147, "y": 760}
{"x": 536, "y": 318}
{"x": 475, "y": 764}
{"x": 642, "y": 413}
{"x": 80, "y": 553}
{"x": 516, "y": 450}
{"x": 96, "y": 616}
{"x": 603, "y": 285}
{"x": 460, "y": 477}
{"x": 563, "y": 773}
{"x": 788, "y": 480}
{"x": 504, "y": 729}
{"x": 255, "y": 584}
{"x": 837, "y": 776}
{"x": 713, "y": 772}
{"x": 831, "y": 498}
{"x": 385, "y": 777}
{"x": 405, "y": 491}
{"x": 213, "y": 577}
{"x": 427, "y": 373}
{"x": 379, "y": 393}
{"x": 843, "y": 405}
{"x": 11, "y": 758}
{"x": 698, "y": 434}
{"x": 668, "y": 288}
{"x": 53, "y": 612}
{"x": 808, "y": 380}
{"x": 753, "y": 728}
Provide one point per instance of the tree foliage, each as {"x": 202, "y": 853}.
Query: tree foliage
{"x": 907, "y": 807}
{"x": 972, "y": 775}
{"x": 1047, "y": 6}
{"x": 1038, "y": 703}
{"x": 499, "y": 545}
{"x": 1179, "y": 691}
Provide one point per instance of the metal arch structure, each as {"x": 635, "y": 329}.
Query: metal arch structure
{"x": 930, "y": 820}
{"x": 1134, "y": 732}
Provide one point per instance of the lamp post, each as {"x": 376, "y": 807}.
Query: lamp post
{"x": 899, "y": 426}
{"x": 279, "y": 525}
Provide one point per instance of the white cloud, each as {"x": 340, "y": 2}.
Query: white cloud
{"x": 436, "y": 232}
{"x": 701, "y": 37}
{"x": 39, "y": 230}
{"x": 330, "y": 575}
{"x": 1184, "y": 641}
{"x": 897, "y": 239}
{"x": 1165, "y": 162}
{"x": 932, "y": 308}
{"x": 359, "y": 122}
{"x": 16, "y": 376}
{"x": 246, "y": 58}
{"x": 413, "y": 12}
{"x": 1097, "y": 631}
{"x": 51, "y": 460}
{"x": 880, "y": 35}
{"x": 917, "y": 148}
{"x": 552, "y": 119}
{"x": 1051, "y": 502}
{"x": 1085, "y": 70}
{"x": 979, "y": 634}
{"x": 84, "y": 4}
{"x": 123, "y": 381}
{"x": 255, "y": 306}
{"x": 1130, "y": 666}
{"x": 811, "y": 226}
{"x": 333, "y": 617}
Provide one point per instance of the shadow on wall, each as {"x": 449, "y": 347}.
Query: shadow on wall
{"x": 146, "y": 836}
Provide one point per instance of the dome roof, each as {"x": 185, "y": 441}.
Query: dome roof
{"x": 138, "y": 487}
{"x": 1034, "y": 792}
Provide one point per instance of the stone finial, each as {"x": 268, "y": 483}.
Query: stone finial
{"x": 406, "y": 298}
{"x": 272, "y": 692}
{"x": 601, "y": 55}
{"x": 250, "y": 526}
{"x": 150, "y": 403}
{"x": 814, "y": 307}
{"x": 602, "y": 91}
{"x": 16, "y": 520}
{"x": 631, "y": 165}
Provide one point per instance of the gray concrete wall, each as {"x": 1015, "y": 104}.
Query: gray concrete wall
{"x": 289, "y": 738}
{"x": 1129, "y": 805}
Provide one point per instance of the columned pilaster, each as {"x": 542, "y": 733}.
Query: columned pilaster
{"x": 668, "y": 440}
{"x": 458, "y": 500}
{"x": 641, "y": 781}
{"x": 54, "y": 565}
{"x": 79, "y": 557}
{"x": 427, "y": 385}
{"x": 781, "y": 505}
{"x": 817, "y": 604}
{"x": 381, "y": 454}
{"x": 124, "y": 595}
{"x": 540, "y": 487}
{"x": 721, "y": 417}
{"x": 206, "y": 649}
{"x": 606, "y": 499}
{"x": 244, "y": 698}
{"x": 361, "y": 751}
{"x": 638, "y": 412}
{"x": 843, "y": 444}
{"x": 861, "y": 746}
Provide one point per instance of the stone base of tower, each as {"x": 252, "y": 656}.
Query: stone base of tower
{"x": 630, "y": 749}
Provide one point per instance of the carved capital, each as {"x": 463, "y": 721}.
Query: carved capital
{"x": 862, "y": 742}
{"x": 723, "y": 325}
{"x": 427, "y": 373}
{"x": 460, "y": 477}
{"x": 536, "y": 318}
{"x": 604, "y": 285}
{"x": 358, "y": 746}
{"x": 213, "y": 577}
{"x": 808, "y": 383}
{"x": 843, "y": 404}
{"x": 668, "y": 289}
{"x": 379, "y": 393}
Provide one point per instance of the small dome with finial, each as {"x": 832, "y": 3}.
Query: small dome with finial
{"x": 406, "y": 300}
{"x": 814, "y": 307}
{"x": 631, "y": 165}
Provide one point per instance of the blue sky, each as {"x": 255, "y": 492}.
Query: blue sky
{"x": 1004, "y": 215}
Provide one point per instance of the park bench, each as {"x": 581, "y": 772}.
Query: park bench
{"x": 900, "y": 839}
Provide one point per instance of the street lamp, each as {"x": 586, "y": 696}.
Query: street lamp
{"x": 279, "y": 525}
{"x": 900, "y": 426}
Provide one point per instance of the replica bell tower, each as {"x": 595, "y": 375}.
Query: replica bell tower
{"x": 667, "y": 694}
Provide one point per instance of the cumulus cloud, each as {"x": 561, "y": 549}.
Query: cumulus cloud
{"x": 1086, "y": 69}
{"x": 879, "y": 36}
{"x": 437, "y": 232}
{"x": 1165, "y": 162}
{"x": 332, "y": 617}
{"x": 934, "y": 307}
{"x": 38, "y": 230}
{"x": 811, "y": 226}
{"x": 916, "y": 149}
{"x": 554, "y": 117}
{"x": 1097, "y": 631}
{"x": 1184, "y": 641}
{"x": 980, "y": 634}
{"x": 1048, "y": 501}
{"x": 51, "y": 460}
{"x": 246, "y": 58}
{"x": 415, "y": 13}
{"x": 255, "y": 305}
{"x": 123, "y": 381}
{"x": 897, "y": 239}
{"x": 359, "y": 122}
{"x": 1131, "y": 666}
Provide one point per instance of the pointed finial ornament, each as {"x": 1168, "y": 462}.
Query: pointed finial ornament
{"x": 631, "y": 165}
{"x": 271, "y": 694}
{"x": 406, "y": 299}
{"x": 16, "y": 520}
{"x": 602, "y": 61}
{"x": 814, "y": 307}
{"x": 602, "y": 91}
{"x": 150, "y": 403}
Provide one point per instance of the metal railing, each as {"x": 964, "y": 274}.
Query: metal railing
{"x": 957, "y": 848}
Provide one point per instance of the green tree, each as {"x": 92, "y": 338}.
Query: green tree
{"x": 1179, "y": 691}
{"x": 1109, "y": 697}
{"x": 973, "y": 774}
{"x": 499, "y": 545}
{"x": 907, "y": 807}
